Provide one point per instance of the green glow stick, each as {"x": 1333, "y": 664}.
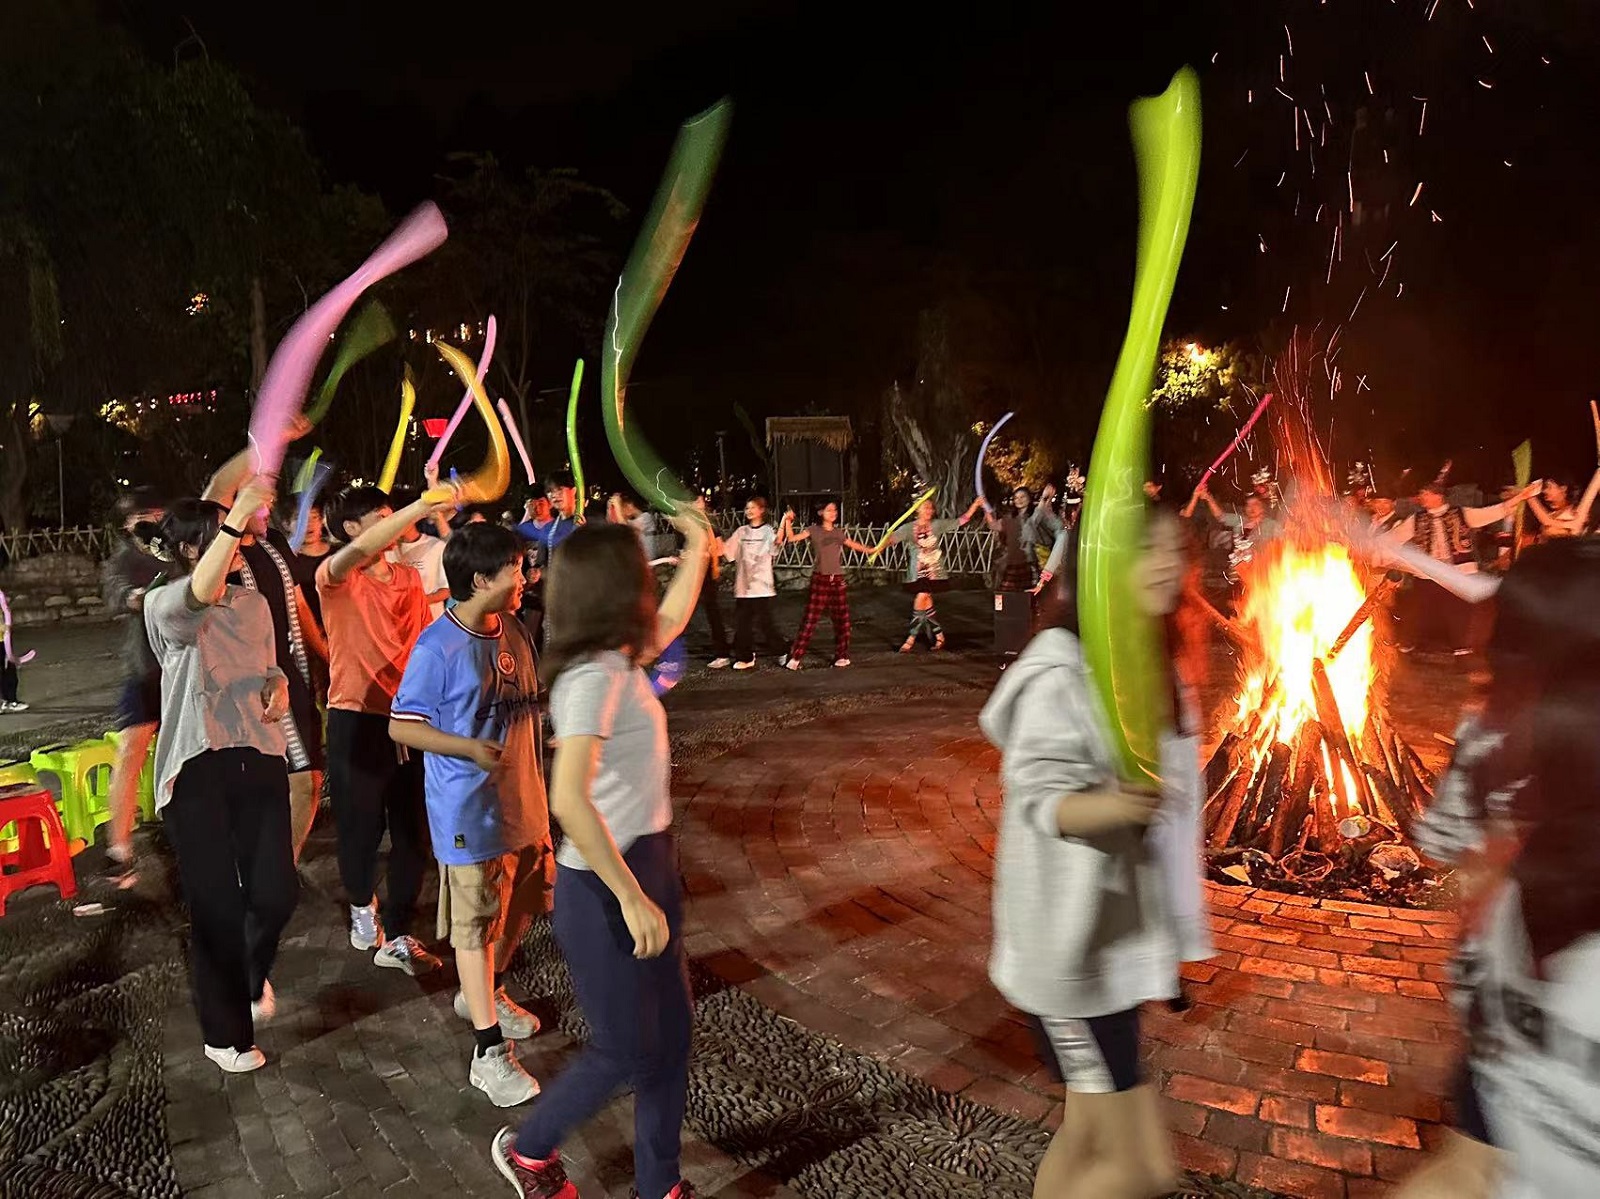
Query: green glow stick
{"x": 1121, "y": 641}
{"x": 370, "y": 330}
{"x": 910, "y": 512}
{"x": 309, "y": 468}
{"x": 572, "y": 434}
{"x": 656, "y": 254}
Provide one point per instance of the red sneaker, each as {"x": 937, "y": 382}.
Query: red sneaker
{"x": 684, "y": 1190}
{"x": 533, "y": 1179}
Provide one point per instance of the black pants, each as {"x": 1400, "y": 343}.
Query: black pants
{"x": 711, "y": 609}
{"x": 640, "y": 1014}
{"x": 228, "y": 821}
{"x": 8, "y": 681}
{"x": 374, "y": 790}
{"x": 748, "y": 616}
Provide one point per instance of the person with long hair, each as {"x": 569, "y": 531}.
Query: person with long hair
{"x": 618, "y": 899}
{"x": 1555, "y": 512}
{"x": 927, "y": 574}
{"x": 753, "y": 548}
{"x": 1518, "y": 815}
{"x": 827, "y": 592}
{"x": 222, "y": 782}
{"x": 1083, "y": 928}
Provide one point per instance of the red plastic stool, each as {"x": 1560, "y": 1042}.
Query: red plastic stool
{"x": 35, "y": 861}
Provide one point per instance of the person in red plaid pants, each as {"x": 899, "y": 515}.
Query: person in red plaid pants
{"x": 827, "y": 594}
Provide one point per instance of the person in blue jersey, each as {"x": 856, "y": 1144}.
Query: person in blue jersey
{"x": 469, "y": 700}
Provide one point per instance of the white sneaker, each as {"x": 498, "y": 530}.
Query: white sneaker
{"x": 720, "y": 663}
{"x": 792, "y": 664}
{"x": 14, "y": 706}
{"x": 499, "y": 1075}
{"x": 264, "y": 1009}
{"x": 842, "y": 663}
{"x": 365, "y": 930}
{"x": 235, "y": 1061}
{"x": 750, "y": 665}
{"x": 406, "y": 953}
{"x": 516, "y": 1022}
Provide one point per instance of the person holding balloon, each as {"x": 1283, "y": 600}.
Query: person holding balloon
{"x": 926, "y": 571}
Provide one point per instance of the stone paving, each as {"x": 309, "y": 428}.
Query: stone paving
{"x": 840, "y": 872}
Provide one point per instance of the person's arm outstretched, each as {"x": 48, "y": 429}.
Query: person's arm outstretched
{"x": 677, "y": 606}
{"x": 365, "y": 548}
{"x": 209, "y": 577}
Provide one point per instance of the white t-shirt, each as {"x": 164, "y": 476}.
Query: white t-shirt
{"x": 426, "y": 555}
{"x": 754, "y": 548}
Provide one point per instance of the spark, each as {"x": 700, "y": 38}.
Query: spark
{"x": 1507, "y": 161}
{"x": 1317, "y": 220}
{"x": 1282, "y": 77}
{"x": 1486, "y": 85}
{"x": 1361, "y": 384}
{"x": 1296, "y": 120}
{"x": 1284, "y": 175}
{"x": 1286, "y": 292}
{"x": 1487, "y": 42}
{"x": 1544, "y": 58}
{"x": 1386, "y": 158}
{"x": 1433, "y": 8}
{"x": 1309, "y": 130}
{"x": 1389, "y": 263}
{"x": 1263, "y": 243}
{"x": 1329, "y": 110}
{"x": 1215, "y": 56}
{"x": 1359, "y": 298}
{"x": 1390, "y": 250}
{"x": 1350, "y": 183}
{"x": 1284, "y": 94}
{"x": 1401, "y": 292}
{"x": 1415, "y": 196}
{"x": 1241, "y": 157}
{"x": 1437, "y": 219}
{"x": 1423, "y": 120}
{"x": 1368, "y": 77}
{"x": 1289, "y": 37}
{"x": 1333, "y": 246}
{"x": 1249, "y": 95}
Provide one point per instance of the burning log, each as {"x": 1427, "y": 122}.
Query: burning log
{"x": 1371, "y": 604}
{"x": 1271, "y": 796}
{"x": 1424, "y": 775}
{"x": 1332, "y": 722}
{"x": 1295, "y": 806}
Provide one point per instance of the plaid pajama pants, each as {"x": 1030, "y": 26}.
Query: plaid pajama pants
{"x": 827, "y": 595}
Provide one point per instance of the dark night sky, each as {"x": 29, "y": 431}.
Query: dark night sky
{"x": 872, "y": 142}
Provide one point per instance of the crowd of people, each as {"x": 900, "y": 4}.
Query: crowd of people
{"x": 408, "y": 656}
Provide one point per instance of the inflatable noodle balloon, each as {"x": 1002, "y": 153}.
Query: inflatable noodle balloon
{"x": 656, "y": 254}
{"x": 490, "y": 481}
{"x": 371, "y": 330}
{"x": 1522, "y": 464}
{"x": 572, "y": 433}
{"x": 977, "y": 467}
{"x": 408, "y": 402}
{"x": 466, "y": 400}
{"x": 910, "y": 512}
{"x": 288, "y": 377}
{"x": 516, "y": 438}
{"x": 1121, "y": 642}
{"x": 302, "y": 480}
{"x": 320, "y": 473}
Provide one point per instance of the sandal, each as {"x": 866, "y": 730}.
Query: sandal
{"x": 911, "y": 644}
{"x": 938, "y": 643}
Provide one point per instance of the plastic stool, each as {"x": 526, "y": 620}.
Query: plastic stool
{"x": 42, "y": 856}
{"x": 145, "y": 792}
{"x": 12, "y": 773}
{"x": 82, "y": 779}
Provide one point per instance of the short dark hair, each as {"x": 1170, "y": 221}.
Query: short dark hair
{"x": 600, "y": 595}
{"x": 353, "y": 504}
{"x": 481, "y": 549}
{"x": 188, "y": 522}
{"x": 138, "y": 499}
{"x": 758, "y": 498}
{"x": 561, "y": 479}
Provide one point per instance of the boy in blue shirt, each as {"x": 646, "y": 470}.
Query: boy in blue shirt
{"x": 469, "y": 702}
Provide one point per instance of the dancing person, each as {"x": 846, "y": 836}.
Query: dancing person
{"x": 1015, "y": 563}
{"x": 754, "y": 547}
{"x": 1241, "y": 533}
{"x": 619, "y": 899}
{"x": 1426, "y": 613}
{"x": 709, "y": 604}
{"x": 375, "y": 611}
{"x": 222, "y": 782}
{"x": 827, "y": 591}
{"x": 1516, "y": 814}
{"x": 9, "y": 701}
{"x": 126, "y": 578}
{"x": 265, "y": 557}
{"x": 1082, "y": 927}
{"x": 1557, "y": 515}
{"x": 926, "y": 571}
{"x": 469, "y": 703}
{"x": 422, "y": 545}
{"x": 308, "y": 557}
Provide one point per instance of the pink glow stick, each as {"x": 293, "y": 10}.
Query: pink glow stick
{"x": 1237, "y": 441}
{"x": 516, "y": 438}
{"x": 288, "y": 378}
{"x": 466, "y": 400}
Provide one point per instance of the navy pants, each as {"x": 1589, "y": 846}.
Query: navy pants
{"x": 640, "y": 1016}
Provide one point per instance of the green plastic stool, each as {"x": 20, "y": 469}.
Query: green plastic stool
{"x": 146, "y": 791}
{"x": 12, "y": 773}
{"x": 82, "y": 785}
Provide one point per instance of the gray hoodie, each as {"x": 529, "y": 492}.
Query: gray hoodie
{"x": 1081, "y": 927}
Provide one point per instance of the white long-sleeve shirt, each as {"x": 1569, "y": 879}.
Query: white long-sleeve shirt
{"x": 1474, "y": 518}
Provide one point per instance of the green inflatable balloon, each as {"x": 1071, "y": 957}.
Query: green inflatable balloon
{"x": 656, "y": 254}
{"x": 370, "y": 330}
{"x": 1121, "y": 642}
{"x": 572, "y": 435}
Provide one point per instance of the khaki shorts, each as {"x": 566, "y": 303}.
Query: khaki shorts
{"x": 476, "y": 902}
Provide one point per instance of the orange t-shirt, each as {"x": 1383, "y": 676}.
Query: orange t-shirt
{"x": 372, "y": 625}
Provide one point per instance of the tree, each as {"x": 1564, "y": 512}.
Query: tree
{"x": 1201, "y": 396}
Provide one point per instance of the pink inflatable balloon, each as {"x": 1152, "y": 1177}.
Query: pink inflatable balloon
{"x": 288, "y": 378}
{"x": 466, "y": 400}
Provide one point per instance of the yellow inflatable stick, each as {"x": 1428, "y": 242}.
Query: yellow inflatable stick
{"x": 491, "y": 480}
{"x": 408, "y": 401}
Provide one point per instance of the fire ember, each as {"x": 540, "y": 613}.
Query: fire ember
{"x": 1311, "y": 786}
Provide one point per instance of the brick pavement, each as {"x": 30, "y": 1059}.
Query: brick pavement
{"x": 841, "y": 874}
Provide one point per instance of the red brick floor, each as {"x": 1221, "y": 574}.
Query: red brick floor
{"x": 841, "y": 873}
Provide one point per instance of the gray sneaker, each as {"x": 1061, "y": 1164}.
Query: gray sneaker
{"x": 365, "y": 931}
{"x": 499, "y": 1075}
{"x": 516, "y": 1022}
{"x": 406, "y": 953}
